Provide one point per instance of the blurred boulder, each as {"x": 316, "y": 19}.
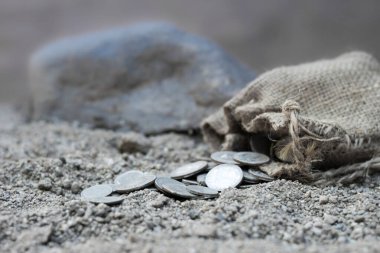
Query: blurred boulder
{"x": 148, "y": 78}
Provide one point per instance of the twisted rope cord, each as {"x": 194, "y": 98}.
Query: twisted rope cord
{"x": 292, "y": 109}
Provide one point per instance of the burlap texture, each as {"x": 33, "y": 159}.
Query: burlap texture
{"x": 334, "y": 104}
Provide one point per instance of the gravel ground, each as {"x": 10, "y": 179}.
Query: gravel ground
{"x": 43, "y": 168}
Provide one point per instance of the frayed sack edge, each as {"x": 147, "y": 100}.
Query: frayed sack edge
{"x": 306, "y": 150}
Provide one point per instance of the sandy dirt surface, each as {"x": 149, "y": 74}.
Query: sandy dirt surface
{"x": 43, "y": 168}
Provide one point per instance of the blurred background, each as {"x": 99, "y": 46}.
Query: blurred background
{"x": 261, "y": 34}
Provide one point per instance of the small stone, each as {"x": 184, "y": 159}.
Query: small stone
{"x": 377, "y": 230}
{"x": 75, "y": 187}
{"x": 205, "y": 231}
{"x": 73, "y": 206}
{"x": 286, "y": 236}
{"x": 359, "y": 218}
{"x": 323, "y": 200}
{"x": 308, "y": 226}
{"x": 101, "y": 210}
{"x": 133, "y": 142}
{"x": 193, "y": 214}
{"x": 318, "y": 224}
{"x": 34, "y": 235}
{"x": 45, "y": 184}
{"x": 357, "y": 233}
{"x": 316, "y": 231}
{"x": 308, "y": 194}
{"x": 66, "y": 184}
{"x": 333, "y": 199}
{"x": 58, "y": 172}
{"x": 342, "y": 239}
{"x": 330, "y": 219}
{"x": 159, "y": 202}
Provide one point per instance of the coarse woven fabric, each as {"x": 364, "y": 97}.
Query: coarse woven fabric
{"x": 318, "y": 115}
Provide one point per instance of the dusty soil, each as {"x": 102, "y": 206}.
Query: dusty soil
{"x": 43, "y": 168}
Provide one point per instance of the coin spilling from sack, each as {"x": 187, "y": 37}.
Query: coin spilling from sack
{"x": 191, "y": 181}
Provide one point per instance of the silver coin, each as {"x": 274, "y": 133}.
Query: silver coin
{"x": 100, "y": 190}
{"x": 260, "y": 175}
{"x": 224, "y": 157}
{"x": 202, "y": 191}
{"x": 113, "y": 186}
{"x": 110, "y": 200}
{"x": 152, "y": 189}
{"x": 126, "y": 176}
{"x": 201, "y": 179}
{"x": 134, "y": 182}
{"x": 178, "y": 191}
{"x": 188, "y": 170}
{"x": 250, "y": 178}
{"x": 245, "y": 186}
{"x": 160, "y": 181}
{"x": 189, "y": 182}
{"x": 251, "y": 158}
{"x": 224, "y": 176}
{"x": 211, "y": 165}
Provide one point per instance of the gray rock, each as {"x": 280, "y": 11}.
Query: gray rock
{"x": 330, "y": 219}
{"x": 45, "y": 184}
{"x": 323, "y": 200}
{"x": 149, "y": 78}
{"x": 34, "y": 236}
{"x": 132, "y": 142}
{"x": 75, "y": 187}
{"x": 101, "y": 210}
{"x": 159, "y": 202}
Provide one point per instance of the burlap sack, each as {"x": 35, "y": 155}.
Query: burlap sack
{"x": 311, "y": 118}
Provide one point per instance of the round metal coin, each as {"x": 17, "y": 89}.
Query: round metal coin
{"x": 211, "y": 165}
{"x": 201, "y": 179}
{"x": 188, "y": 170}
{"x": 178, "y": 190}
{"x": 245, "y": 186}
{"x": 251, "y": 158}
{"x": 126, "y": 176}
{"x": 224, "y": 157}
{"x": 189, "y": 182}
{"x": 260, "y": 175}
{"x": 160, "y": 181}
{"x": 100, "y": 190}
{"x": 134, "y": 182}
{"x": 250, "y": 178}
{"x": 111, "y": 200}
{"x": 202, "y": 191}
{"x": 224, "y": 176}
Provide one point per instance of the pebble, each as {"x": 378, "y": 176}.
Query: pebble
{"x": 205, "y": 231}
{"x": 330, "y": 219}
{"x": 323, "y": 200}
{"x": 357, "y": 233}
{"x": 159, "y": 202}
{"x": 308, "y": 226}
{"x": 101, "y": 210}
{"x": 45, "y": 184}
{"x": 359, "y": 218}
{"x": 66, "y": 183}
{"x": 75, "y": 187}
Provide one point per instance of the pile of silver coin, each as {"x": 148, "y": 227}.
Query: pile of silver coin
{"x": 197, "y": 180}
